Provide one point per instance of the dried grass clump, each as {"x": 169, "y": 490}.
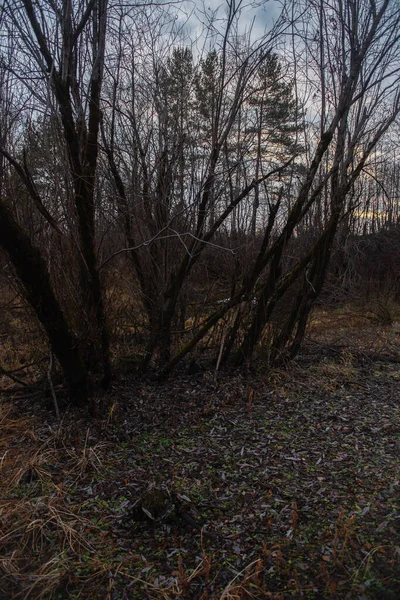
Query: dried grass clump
{"x": 42, "y": 534}
{"x": 40, "y": 537}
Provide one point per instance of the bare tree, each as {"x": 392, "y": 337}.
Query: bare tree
{"x": 359, "y": 75}
{"x": 59, "y": 61}
{"x": 177, "y": 191}
{"x": 168, "y": 155}
{"x": 27, "y": 258}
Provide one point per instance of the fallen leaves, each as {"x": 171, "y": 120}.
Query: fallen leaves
{"x": 297, "y": 473}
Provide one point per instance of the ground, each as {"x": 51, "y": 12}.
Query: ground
{"x": 279, "y": 484}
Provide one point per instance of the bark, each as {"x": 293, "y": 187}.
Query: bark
{"x": 274, "y": 256}
{"x": 32, "y": 272}
{"x": 83, "y": 151}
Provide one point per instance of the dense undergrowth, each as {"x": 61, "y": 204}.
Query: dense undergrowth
{"x": 290, "y": 479}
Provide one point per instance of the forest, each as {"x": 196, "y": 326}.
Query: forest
{"x": 200, "y": 299}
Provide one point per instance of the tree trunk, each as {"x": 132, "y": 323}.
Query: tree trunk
{"x": 32, "y": 272}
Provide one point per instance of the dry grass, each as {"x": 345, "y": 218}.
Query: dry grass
{"x": 62, "y": 538}
{"x": 41, "y": 532}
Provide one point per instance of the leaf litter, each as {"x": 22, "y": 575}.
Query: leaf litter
{"x": 279, "y": 484}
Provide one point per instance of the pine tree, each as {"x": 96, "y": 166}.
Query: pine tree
{"x": 277, "y": 120}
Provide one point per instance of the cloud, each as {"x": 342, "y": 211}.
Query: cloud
{"x": 206, "y": 20}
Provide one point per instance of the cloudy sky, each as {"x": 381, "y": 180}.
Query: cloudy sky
{"x": 193, "y": 15}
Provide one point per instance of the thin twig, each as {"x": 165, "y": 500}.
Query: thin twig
{"x": 16, "y": 379}
{"x": 225, "y": 331}
{"x": 53, "y": 393}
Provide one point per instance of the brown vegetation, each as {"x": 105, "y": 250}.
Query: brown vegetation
{"x": 199, "y": 300}
{"x": 277, "y": 485}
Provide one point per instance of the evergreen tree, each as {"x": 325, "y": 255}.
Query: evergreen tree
{"x": 276, "y": 113}
{"x": 277, "y": 120}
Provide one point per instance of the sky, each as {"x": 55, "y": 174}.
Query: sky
{"x": 257, "y": 16}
